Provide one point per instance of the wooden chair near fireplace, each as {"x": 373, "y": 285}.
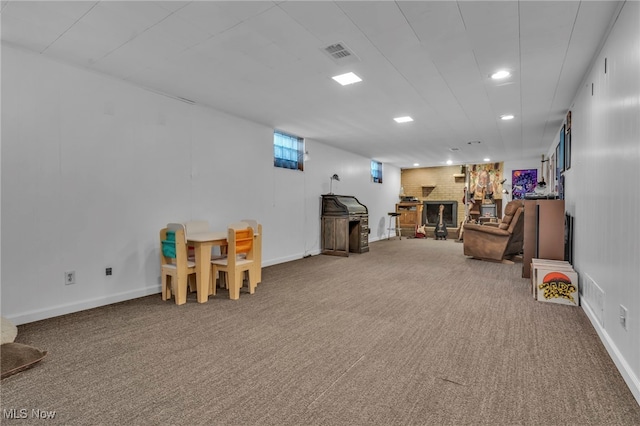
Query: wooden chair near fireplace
{"x": 499, "y": 242}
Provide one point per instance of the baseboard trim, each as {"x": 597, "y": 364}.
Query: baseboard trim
{"x": 632, "y": 381}
{"x": 285, "y": 259}
{"x": 56, "y": 311}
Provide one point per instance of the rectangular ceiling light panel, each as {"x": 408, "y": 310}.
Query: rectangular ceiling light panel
{"x": 348, "y": 78}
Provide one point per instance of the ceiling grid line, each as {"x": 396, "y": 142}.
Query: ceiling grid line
{"x": 419, "y": 92}
{"x": 70, "y": 26}
{"x": 143, "y": 31}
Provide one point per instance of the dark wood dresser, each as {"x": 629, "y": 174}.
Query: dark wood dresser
{"x": 345, "y": 225}
{"x": 543, "y": 232}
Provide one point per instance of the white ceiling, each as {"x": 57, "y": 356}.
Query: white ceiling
{"x": 264, "y": 60}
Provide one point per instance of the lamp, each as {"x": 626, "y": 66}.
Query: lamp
{"x": 331, "y": 179}
{"x": 505, "y": 190}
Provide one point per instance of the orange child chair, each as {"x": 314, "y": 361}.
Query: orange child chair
{"x": 240, "y": 259}
{"x": 257, "y": 247}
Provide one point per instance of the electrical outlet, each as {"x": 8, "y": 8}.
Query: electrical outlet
{"x": 108, "y": 271}
{"x": 70, "y": 277}
{"x": 623, "y": 317}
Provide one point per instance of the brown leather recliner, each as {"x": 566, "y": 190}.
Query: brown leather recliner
{"x": 497, "y": 241}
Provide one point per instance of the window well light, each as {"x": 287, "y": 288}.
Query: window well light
{"x": 499, "y": 75}
{"x": 348, "y": 78}
{"x": 405, "y": 119}
{"x": 506, "y": 117}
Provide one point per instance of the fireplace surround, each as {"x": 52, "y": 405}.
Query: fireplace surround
{"x": 431, "y": 210}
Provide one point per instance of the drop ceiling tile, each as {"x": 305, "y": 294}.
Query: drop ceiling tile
{"x": 35, "y": 25}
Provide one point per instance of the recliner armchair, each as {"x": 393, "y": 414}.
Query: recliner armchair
{"x": 498, "y": 242}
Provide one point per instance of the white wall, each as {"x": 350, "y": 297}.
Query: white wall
{"x": 603, "y": 192}
{"x": 93, "y": 167}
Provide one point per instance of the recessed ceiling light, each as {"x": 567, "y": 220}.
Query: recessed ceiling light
{"x": 405, "y": 119}
{"x": 498, "y": 75}
{"x": 487, "y": 159}
{"x": 449, "y": 162}
{"x": 348, "y": 78}
{"x": 506, "y": 117}
{"x": 416, "y": 164}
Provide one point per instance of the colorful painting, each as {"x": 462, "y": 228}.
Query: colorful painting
{"x": 523, "y": 181}
{"x": 485, "y": 181}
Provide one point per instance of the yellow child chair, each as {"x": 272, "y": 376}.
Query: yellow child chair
{"x": 240, "y": 259}
{"x": 176, "y": 269}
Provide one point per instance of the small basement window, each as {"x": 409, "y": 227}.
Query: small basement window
{"x": 288, "y": 151}
{"x": 376, "y": 171}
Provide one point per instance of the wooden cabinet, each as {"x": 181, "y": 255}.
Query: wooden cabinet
{"x": 543, "y": 232}
{"x": 340, "y": 235}
{"x": 410, "y": 217}
{"x": 335, "y": 235}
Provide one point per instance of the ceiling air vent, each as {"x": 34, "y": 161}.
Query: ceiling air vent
{"x": 337, "y": 51}
{"x": 340, "y": 53}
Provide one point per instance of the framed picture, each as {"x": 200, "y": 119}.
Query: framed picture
{"x": 487, "y": 176}
{"x": 523, "y": 181}
{"x": 568, "y": 238}
{"x": 561, "y": 165}
{"x": 567, "y": 150}
{"x": 557, "y": 170}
